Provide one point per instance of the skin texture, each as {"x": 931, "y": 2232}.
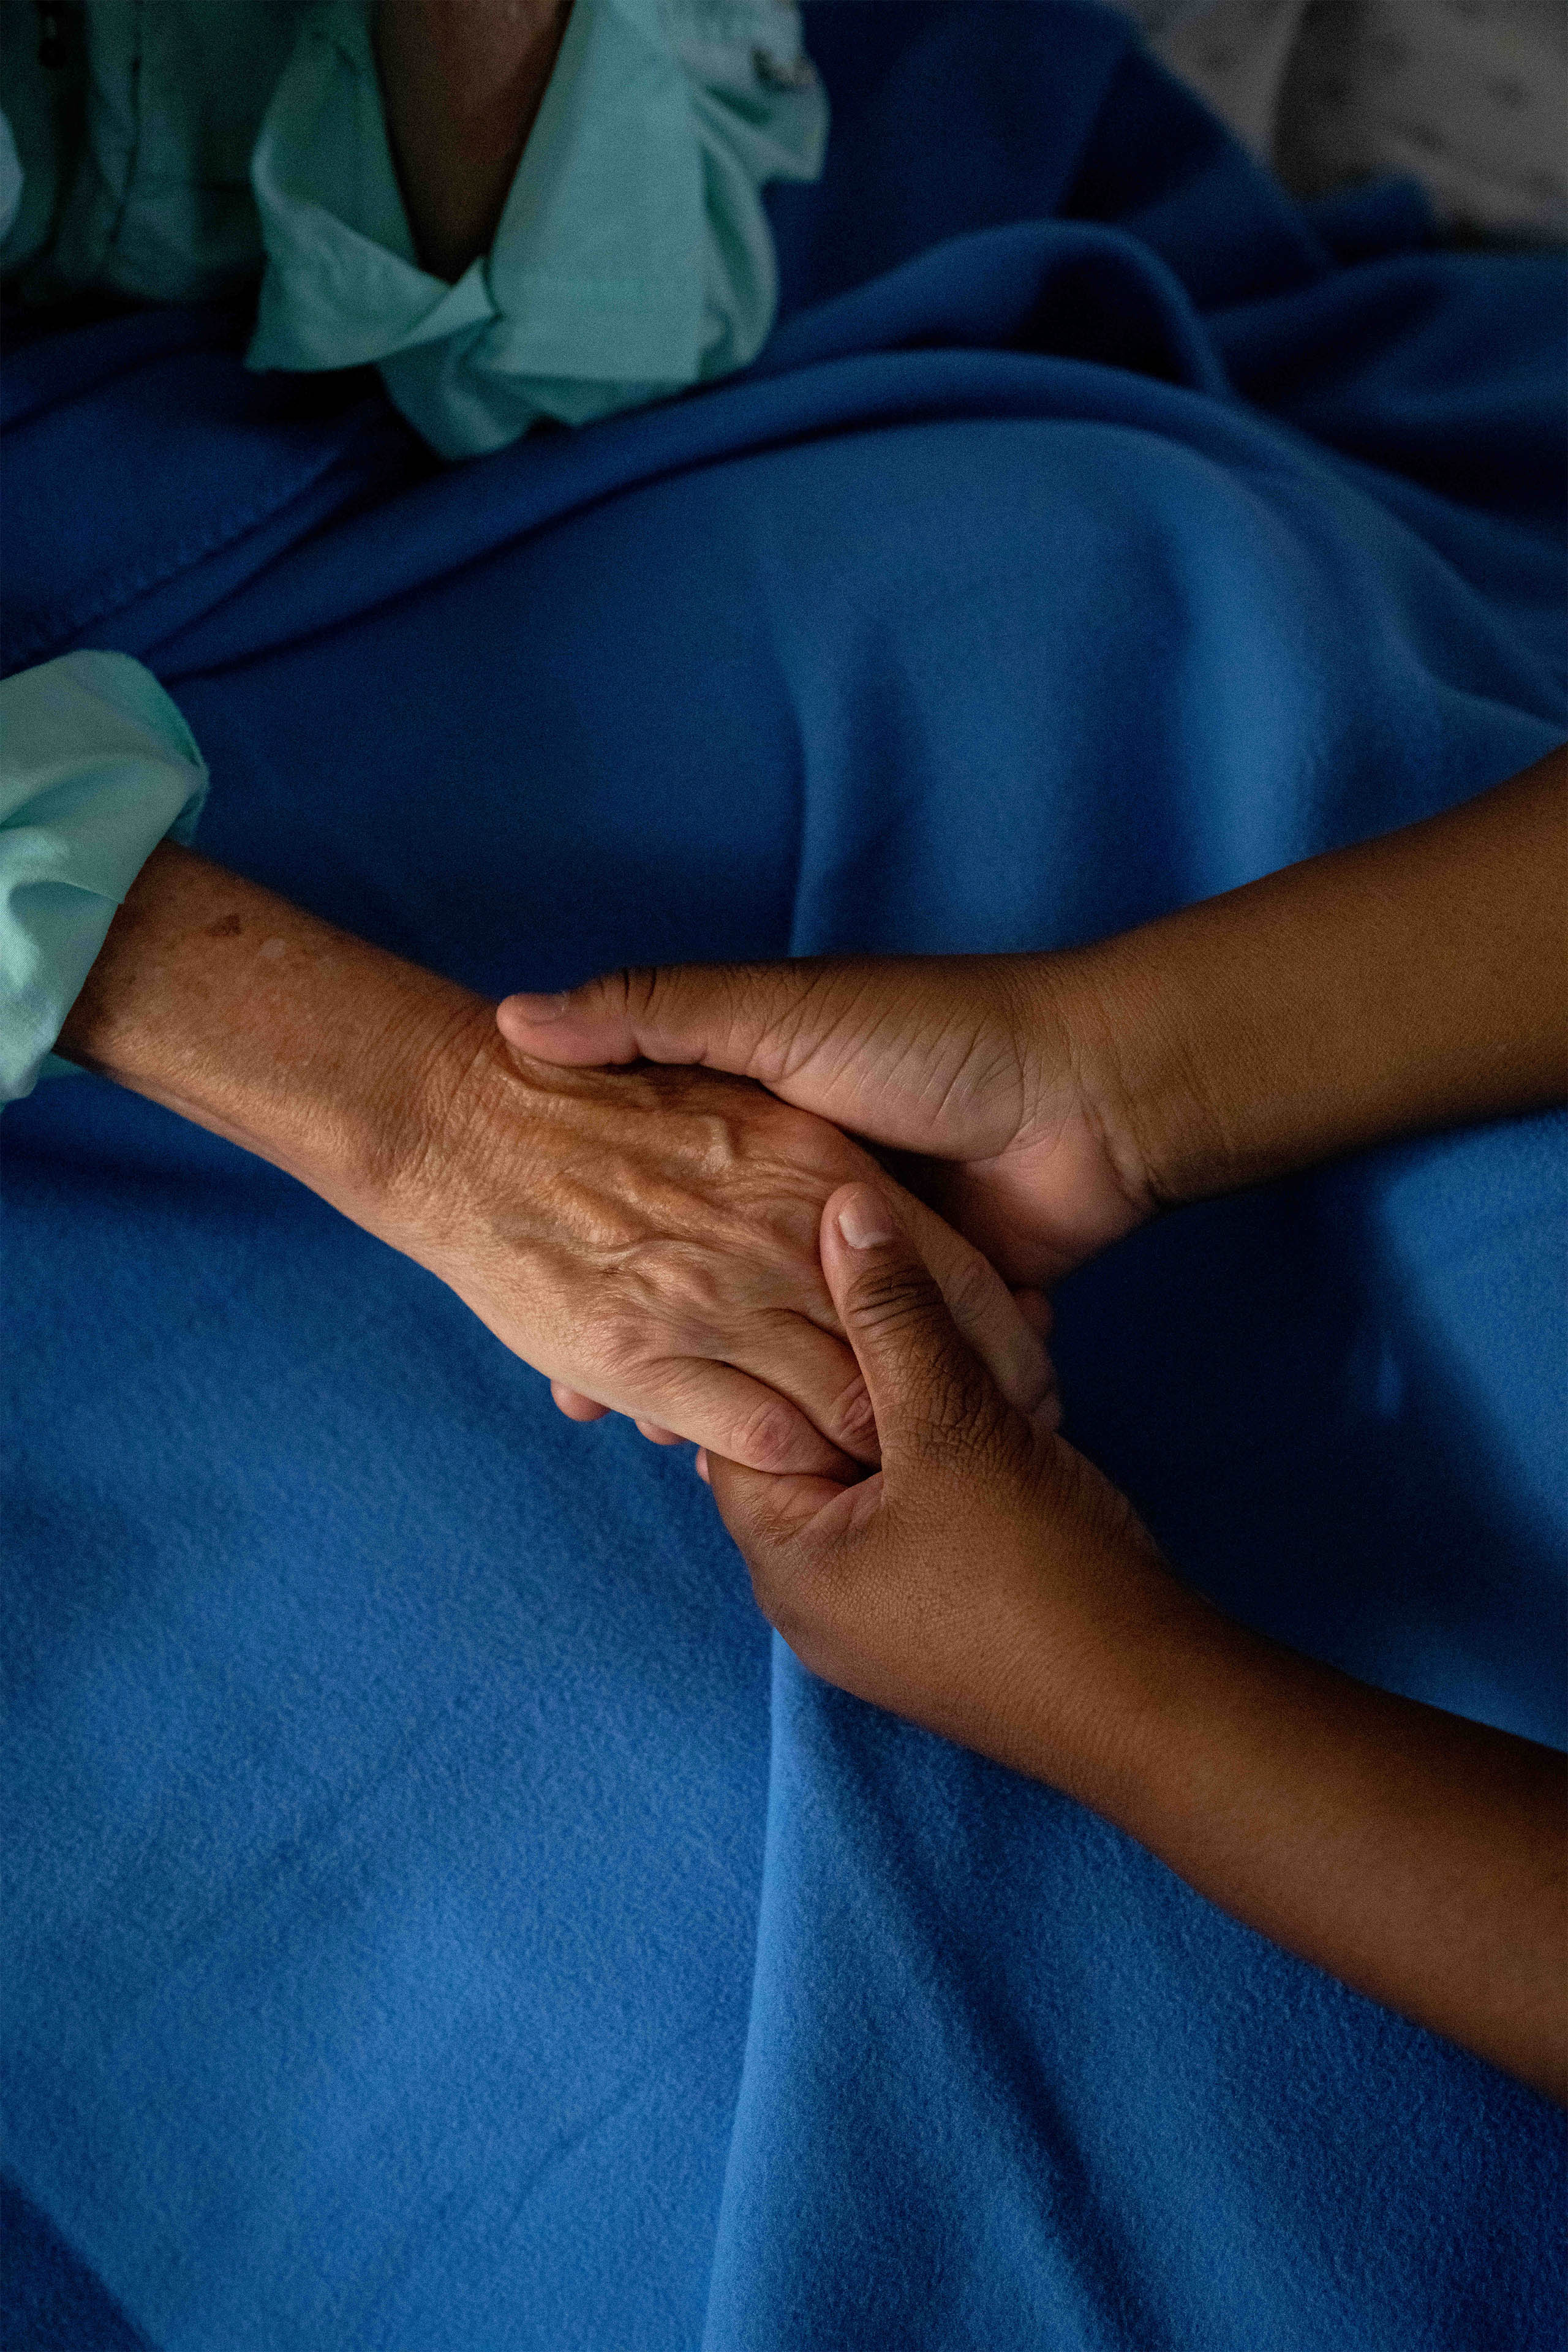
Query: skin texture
{"x": 463, "y": 82}
{"x": 988, "y": 1583}
{"x": 648, "y": 1239}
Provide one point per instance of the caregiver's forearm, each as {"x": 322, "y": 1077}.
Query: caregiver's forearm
{"x": 256, "y": 1020}
{"x": 1413, "y": 1854}
{"x": 1414, "y": 981}
{"x": 463, "y": 82}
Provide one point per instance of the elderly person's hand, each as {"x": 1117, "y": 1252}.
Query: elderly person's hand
{"x": 989, "y": 1583}
{"x": 648, "y": 1239}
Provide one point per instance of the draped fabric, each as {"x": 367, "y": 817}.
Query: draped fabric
{"x": 439, "y": 1914}
{"x": 176, "y": 150}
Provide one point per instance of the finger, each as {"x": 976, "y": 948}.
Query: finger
{"x": 575, "y": 1404}
{"x": 1037, "y": 1310}
{"x": 913, "y": 1051}
{"x": 678, "y": 1012}
{"x": 818, "y": 1373}
{"x": 1040, "y": 1315}
{"x": 700, "y": 1402}
{"x": 736, "y": 1017}
{"x": 932, "y": 1397}
{"x": 788, "y": 1531}
{"x": 807, "y": 1374}
{"x": 987, "y": 1312}
{"x": 784, "y": 1524}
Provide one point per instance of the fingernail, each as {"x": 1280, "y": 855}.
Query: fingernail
{"x": 863, "y": 1222}
{"x": 536, "y": 1010}
{"x": 702, "y": 1466}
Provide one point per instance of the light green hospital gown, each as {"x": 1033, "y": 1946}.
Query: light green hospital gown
{"x": 190, "y": 145}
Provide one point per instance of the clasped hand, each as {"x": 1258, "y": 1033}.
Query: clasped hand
{"x": 648, "y": 1239}
{"x": 950, "y": 1586}
{"x": 986, "y": 1582}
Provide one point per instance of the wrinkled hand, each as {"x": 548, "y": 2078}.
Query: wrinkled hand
{"x": 648, "y": 1239}
{"x": 978, "y": 1583}
{"x": 981, "y": 1064}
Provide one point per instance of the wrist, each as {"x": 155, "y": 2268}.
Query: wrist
{"x": 1114, "y": 1021}
{"x": 311, "y": 1048}
{"x": 1412, "y": 981}
{"x": 446, "y": 1075}
{"x": 1104, "y": 1639}
{"x": 1157, "y": 1080}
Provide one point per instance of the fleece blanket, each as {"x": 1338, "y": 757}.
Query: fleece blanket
{"x": 438, "y": 1918}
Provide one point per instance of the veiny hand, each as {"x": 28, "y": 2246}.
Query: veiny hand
{"x": 970, "y": 1581}
{"x": 650, "y": 1240}
{"x": 981, "y": 1064}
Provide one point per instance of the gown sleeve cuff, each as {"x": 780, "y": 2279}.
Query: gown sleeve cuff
{"x": 97, "y": 766}
{"x": 633, "y": 256}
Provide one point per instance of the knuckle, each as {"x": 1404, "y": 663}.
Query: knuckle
{"x": 766, "y": 1435}
{"x": 855, "y": 1416}
{"x": 672, "y": 1284}
{"x": 971, "y": 1287}
{"x": 956, "y": 1430}
{"x": 889, "y": 1301}
{"x": 621, "y": 1344}
{"x": 637, "y": 989}
{"x": 940, "y": 1429}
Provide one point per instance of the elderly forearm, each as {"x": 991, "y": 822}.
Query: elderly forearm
{"x": 463, "y": 82}
{"x": 256, "y": 1020}
{"x": 1412, "y": 982}
{"x": 647, "y": 1240}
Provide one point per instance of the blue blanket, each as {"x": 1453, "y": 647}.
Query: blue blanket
{"x": 438, "y": 1918}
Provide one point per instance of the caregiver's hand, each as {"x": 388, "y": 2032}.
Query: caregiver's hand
{"x": 650, "y": 1237}
{"x": 990, "y": 1584}
{"x": 1412, "y": 981}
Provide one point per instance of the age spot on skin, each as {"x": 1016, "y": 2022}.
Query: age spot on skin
{"x": 272, "y": 948}
{"x": 228, "y": 926}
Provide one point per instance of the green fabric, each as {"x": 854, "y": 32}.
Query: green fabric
{"x": 96, "y": 767}
{"x": 633, "y": 256}
{"x": 138, "y": 146}
{"x": 193, "y": 138}
{"x": 182, "y": 146}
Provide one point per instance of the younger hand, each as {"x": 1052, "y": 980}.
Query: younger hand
{"x": 986, "y": 1578}
{"x": 991, "y": 1585}
{"x": 983, "y": 1066}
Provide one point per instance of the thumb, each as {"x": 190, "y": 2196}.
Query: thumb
{"x": 933, "y": 1399}
{"x": 921, "y": 1053}
{"x": 768, "y": 1513}
{"x": 720, "y": 1016}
